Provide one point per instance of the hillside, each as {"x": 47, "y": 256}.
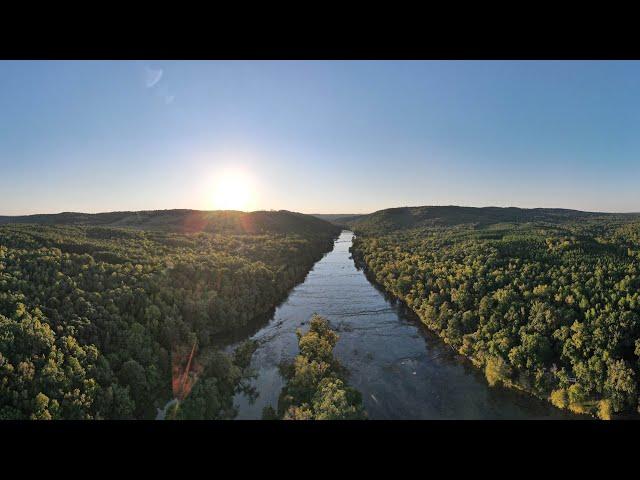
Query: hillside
{"x": 337, "y": 218}
{"x": 189, "y": 221}
{"x": 544, "y": 300}
{"x": 416, "y": 217}
{"x": 97, "y": 322}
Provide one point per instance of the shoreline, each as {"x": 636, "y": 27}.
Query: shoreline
{"x": 511, "y": 386}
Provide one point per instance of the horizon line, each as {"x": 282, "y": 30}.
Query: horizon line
{"x": 310, "y": 213}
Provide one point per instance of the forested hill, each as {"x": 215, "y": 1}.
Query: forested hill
{"x": 98, "y": 321}
{"x": 337, "y": 218}
{"x": 544, "y": 300}
{"x": 415, "y": 217}
{"x": 106, "y": 316}
{"x": 188, "y": 221}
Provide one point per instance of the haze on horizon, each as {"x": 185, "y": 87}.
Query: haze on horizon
{"x": 319, "y": 136}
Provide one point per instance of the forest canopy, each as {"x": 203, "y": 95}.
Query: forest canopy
{"x": 95, "y": 319}
{"x": 316, "y": 383}
{"x": 547, "y": 301}
{"x": 188, "y": 221}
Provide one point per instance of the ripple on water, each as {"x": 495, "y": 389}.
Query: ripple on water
{"x": 403, "y": 371}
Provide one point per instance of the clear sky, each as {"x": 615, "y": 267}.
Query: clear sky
{"x": 318, "y": 137}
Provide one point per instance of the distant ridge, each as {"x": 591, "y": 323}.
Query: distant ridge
{"x": 414, "y": 217}
{"x": 186, "y": 221}
{"x": 337, "y": 218}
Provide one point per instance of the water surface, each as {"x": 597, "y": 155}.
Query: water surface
{"x": 402, "y": 370}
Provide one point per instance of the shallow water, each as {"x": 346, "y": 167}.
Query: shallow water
{"x": 402, "y": 370}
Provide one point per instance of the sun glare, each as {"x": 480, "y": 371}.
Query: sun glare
{"x": 232, "y": 191}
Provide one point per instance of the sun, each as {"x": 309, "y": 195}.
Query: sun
{"x": 232, "y": 191}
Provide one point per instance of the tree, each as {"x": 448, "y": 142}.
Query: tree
{"x": 496, "y": 370}
{"x": 315, "y": 387}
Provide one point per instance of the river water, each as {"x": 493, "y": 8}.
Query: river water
{"x": 402, "y": 370}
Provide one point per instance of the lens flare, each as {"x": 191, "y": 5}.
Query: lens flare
{"x": 185, "y": 371}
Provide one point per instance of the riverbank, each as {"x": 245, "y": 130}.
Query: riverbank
{"x": 402, "y": 370}
{"x": 474, "y": 363}
{"x": 283, "y": 282}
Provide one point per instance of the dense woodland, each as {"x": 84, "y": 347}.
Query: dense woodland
{"x": 111, "y": 315}
{"x": 547, "y": 301}
{"x": 186, "y": 221}
{"x": 96, "y": 320}
{"x": 316, "y": 386}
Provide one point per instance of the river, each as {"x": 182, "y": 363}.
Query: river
{"x": 402, "y": 370}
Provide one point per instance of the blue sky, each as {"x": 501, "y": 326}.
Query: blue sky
{"x": 318, "y": 137}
